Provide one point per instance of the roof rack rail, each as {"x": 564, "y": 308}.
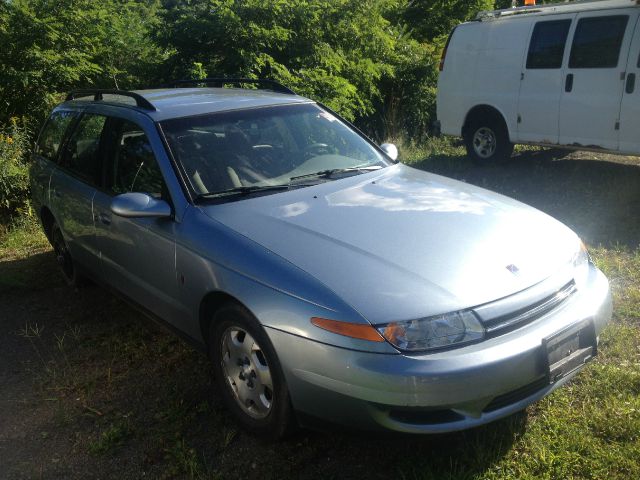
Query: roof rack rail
{"x": 221, "y": 81}
{"x": 559, "y": 7}
{"x": 98, "y": 96}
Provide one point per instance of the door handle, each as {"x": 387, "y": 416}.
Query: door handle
{"x": 104, "y": 218}
{"x": 631, "y": 83}
{"x": 568, "y": 84}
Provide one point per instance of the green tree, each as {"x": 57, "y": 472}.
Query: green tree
{"x": 430, "y": 19}
{"x": 337, "y": 51}
{"x": 51, "y": 46}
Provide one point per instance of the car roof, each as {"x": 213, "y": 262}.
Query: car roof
{"x": 182, "y": 102}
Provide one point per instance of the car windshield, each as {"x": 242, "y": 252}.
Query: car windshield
{"x": 244, "y": 150}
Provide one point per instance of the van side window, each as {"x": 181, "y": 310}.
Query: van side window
{"x": 133, "y": 166}
{"x": 52, "y": 134}
{"x": 82, "y": 155}
{"x": 547, "y": 44}
{"x": 597, "y": 42}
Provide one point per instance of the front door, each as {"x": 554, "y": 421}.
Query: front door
{"x": 542, "y": 81}
{"x": 630, "y": 111}
{"x": 138, "y": 254}
{"x": 594, "y": 79}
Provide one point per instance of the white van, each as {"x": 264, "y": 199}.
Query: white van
{"x": 556, "y": 75}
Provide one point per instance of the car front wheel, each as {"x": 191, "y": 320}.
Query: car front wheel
{"x": 247, "y": 373}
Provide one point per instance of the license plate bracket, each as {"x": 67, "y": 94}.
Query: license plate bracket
{"x": 569, "y": 349}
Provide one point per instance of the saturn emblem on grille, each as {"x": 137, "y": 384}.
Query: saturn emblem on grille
{"x": 513, "y": 269}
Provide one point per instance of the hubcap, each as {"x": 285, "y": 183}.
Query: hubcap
{"x": 484, "y": 142}
{"x": 245, "y": 367}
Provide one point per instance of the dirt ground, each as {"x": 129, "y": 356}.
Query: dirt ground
{"x": 89, "y": 388}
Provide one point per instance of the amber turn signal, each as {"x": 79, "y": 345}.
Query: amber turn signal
{"x": 353, "y": 330}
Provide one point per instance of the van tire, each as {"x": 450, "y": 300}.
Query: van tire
{"x": 487, "y": 141}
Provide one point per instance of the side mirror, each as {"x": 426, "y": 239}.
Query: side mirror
{"x": 391, "y": 150}
{"x": 139, "y": 205}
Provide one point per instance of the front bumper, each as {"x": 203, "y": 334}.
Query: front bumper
{"x": 438, "y": 392}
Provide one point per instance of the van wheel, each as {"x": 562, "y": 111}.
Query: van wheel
{"x": 488, "y": 142}
{"x": 248, "y": 375}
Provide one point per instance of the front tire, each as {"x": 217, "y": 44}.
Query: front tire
{"x": 248, "y": 375}
{"x": 487, "y": 141}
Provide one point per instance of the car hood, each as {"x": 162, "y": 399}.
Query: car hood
{"x": 400, "y": 243}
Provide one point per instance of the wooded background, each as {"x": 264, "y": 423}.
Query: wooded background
{"x": 373, "y": 61}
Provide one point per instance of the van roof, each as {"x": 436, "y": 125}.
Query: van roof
{"x": 576, "y": 6}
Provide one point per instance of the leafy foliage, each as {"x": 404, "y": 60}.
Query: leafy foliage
{"x": 14, "y": 175}
{"x": 336, "y": 51}
{"x": 373, "y": 61}
{"x": 434, "y": 18}
{"x": 51, "y": 46}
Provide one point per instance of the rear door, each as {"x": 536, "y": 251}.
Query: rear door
{"x": 542, "y": 80}
{"x": 594, "y": 78}
{"x": 630, "y": 111}
{"x": 73, "y": 186}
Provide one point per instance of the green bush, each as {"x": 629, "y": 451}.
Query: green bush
{"x": 14, "y": 171}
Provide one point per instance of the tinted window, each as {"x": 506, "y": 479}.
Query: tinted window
{"x": 547, "y": 44}
{"x": 597, "y": 42}
{"x": 82, "y": 152}
{"x": 52, "y": 134}
{"x": 134, "y": 167}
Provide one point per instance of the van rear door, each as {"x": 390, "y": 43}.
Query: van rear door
{"x": 541, "y": 81}
{"x": 594, "y": 78}
{"x": 630, "y": 110}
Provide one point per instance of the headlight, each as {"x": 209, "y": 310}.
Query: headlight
{"x": 581, "y": 261}
{"x": 433, "y": 332}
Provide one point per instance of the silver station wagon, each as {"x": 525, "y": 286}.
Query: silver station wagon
{"x": 325, "y": 280}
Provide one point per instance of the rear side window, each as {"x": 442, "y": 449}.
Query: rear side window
{"x": 52, "y": 134}
{"x": 82, "y": 154}
{"x": 597, "y": 42}
{"x": 547, "y": 44}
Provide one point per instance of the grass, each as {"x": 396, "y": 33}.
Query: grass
{"x": 111, "y": 438}
{"x": 20, "y": 240}
{"x": 129, "y": 400}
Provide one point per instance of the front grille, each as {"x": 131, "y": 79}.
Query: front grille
{"x": 519, "y": 318}
{"x": 515, "y": 396}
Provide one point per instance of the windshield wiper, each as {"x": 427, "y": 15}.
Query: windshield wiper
{"x": 244, "y": 190}
{"x": 333, "y": 171}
